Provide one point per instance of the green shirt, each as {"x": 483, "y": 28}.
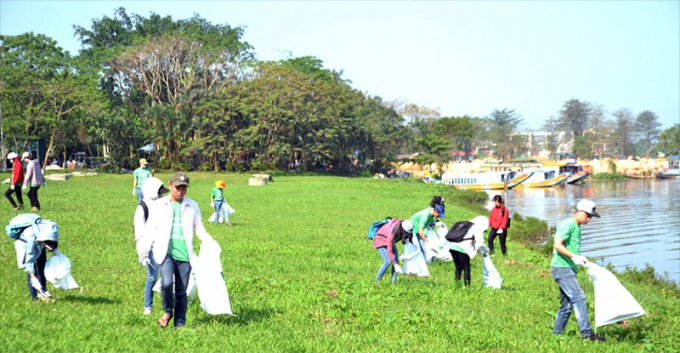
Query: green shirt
{"x": 422, "y": 219}
{"x": 217, "y": 194}
{"x": 177, "y": 247}
{"x": 141, "y": 174}
{"x": 569, "y": 231}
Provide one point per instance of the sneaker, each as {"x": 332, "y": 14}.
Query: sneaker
{"x": 147, "y": 311}
{"x": 594, "y": 337}
{"x": 16, "y": 208}
{"x": 34, "y": 209}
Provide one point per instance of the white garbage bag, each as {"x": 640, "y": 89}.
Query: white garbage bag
{"x": 491, "y": 276}
{"x": 191, "y": 286}
{"x": 414, "y": 262}
{"x": 20, "y": 248}
{"x": 613, "y": 302}
{"x": 225, "y": 212}
{"x": 58, "y": 272}
{"x": 437, "y": 248}
{"x": 212, "y": 288}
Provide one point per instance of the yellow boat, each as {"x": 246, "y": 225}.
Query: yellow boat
{"x": 485, "y": 180}
{"x": 545, "y": 178}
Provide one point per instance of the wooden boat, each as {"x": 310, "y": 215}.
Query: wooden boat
{"x": 485, "y": 180}
{"x": 640, "y": 176}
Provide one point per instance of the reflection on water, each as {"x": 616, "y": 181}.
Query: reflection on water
{"x": 640, "y": 221}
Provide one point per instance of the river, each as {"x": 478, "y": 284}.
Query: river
{"x": 639, "y": 224}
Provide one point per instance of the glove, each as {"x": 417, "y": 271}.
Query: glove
{"x": 212, "y": 204}
{"x": 398, "y": 269}
{"x": 499, "y": 231}
{"x": 134, "y": 191}
{"x": 147, "y": 262}
{"x": 23, "y": 187}
{"x": 11, "y": 187}
{"x": 35, "y": 283}
{"x": 579, "y": 260}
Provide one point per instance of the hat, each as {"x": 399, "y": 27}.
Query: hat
{"x": 220, "y": 184}
{"x": 440, "y": 210}
{"x": 25, "y": 155}
{"x": 12, "y": 155}
{"x": 588, "y": 207}
{"x": 407, "y": 225}
{"x": 152, "y": 188}
{"x": 179, "y": 179}
{"x": 143, "y": 161}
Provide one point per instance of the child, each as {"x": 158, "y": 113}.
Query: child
{"x": 222, "y": 209}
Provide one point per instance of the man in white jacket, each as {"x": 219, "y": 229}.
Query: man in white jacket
{"x": 172, "y": 222}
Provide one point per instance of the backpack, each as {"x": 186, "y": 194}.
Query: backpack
{"x": 20, "y": 223}
{"x": 509, "y": 220}
{"x": 373, "y": 229}
{"x": 145, "y": 208}
{"x": 458, "y": 231}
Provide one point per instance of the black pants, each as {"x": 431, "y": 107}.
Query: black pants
{"x": 33, "y": 196}
{"x": 462, "y": 262}
{"x": 502, "y": 236}
{"x": 40, "y": 273}
{"x": 17, "y": 190}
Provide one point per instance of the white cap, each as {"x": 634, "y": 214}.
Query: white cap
{"x": 25, "y": 155}
{"x": 588, "y": 207}
{"x": 407, "y": 225}
{"x": 12, "y": 155}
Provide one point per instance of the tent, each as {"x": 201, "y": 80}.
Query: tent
{"x": 147, "y": 148}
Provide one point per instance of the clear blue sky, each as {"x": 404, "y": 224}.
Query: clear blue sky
{"x": 463, "y": 57}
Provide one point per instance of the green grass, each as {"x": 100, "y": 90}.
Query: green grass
{"x": 300, "y": 275}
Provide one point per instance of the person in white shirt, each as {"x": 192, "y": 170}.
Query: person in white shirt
{"x": 172, "y": 222}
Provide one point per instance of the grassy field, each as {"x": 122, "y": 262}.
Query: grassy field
{"x": 300, "y": 275}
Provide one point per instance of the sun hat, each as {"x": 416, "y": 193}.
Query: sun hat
{"x": 407, "y": 225}
{"x": 440, "y": 210}
{"x": 179, "y": 179}
{"x": 587, "y": 206}
{"x": 143, "y": 161}
{"x": 12, "y": 155}
{"x": 220, "y": 184}
{"x": 25, "y": 155}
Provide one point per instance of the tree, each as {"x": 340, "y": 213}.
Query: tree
{"x": 623, "y": 131}
{"x": 574, "y": 117}
{"x": 669, "y": 140}
{"x": 503, "y": 124}
{"x": 551, "y": 126}
{"x": 647, "y": 124}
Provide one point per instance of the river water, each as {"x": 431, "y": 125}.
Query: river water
{"x": 639, "y": 224}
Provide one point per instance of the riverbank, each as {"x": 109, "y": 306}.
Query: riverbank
{"x": 300, "y": 274}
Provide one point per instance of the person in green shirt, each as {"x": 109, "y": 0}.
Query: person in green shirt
{"x": 140, "y": 174}
{"x": 564, "y": 266}
{"x": 217, "y": 201}
{"x": 422, "y": 220}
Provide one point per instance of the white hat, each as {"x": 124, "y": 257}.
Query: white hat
{"x": 25, "y": 155}
{"x": 12, "y": 155}
{"x": 588, "y": 207}
{"x": 407, "y": 225}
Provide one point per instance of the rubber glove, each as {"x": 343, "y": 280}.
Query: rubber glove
{"x": 499, "y": 231}
{"x": 134, "y": 191}
{"x": 11, "y": 187}
{"x": 147, "y": 262}
{"x": 212, "y": 204}
{"x": 398, "y": 269}
{"x": 35, "y": 283}
{"x": 579, "y": 260}
{"x": 23, "y": 187}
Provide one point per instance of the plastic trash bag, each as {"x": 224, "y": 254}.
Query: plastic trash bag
{"x": 414, "y": 262}
{"x": 20, "y": 248}
{"x": 437, "y": 248}
{"x": 613, "y": 302}
{"x": 58, "y": 272}
{"x": 225, "y": 212}
{"x": 490, "y": 275}
{"x": 191, "y": 286}
{"x": 212, "y": 288}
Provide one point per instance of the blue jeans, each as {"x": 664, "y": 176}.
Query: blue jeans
{"x": 139, "y": 196}
{"x": 218, "y": 208}
{"x": 572, "y": 298}
{"x": 40, "y": 273}
{"x": 387, "y": 262}
{"x": 151, "y": 278}
{"x": 175, "y": 300}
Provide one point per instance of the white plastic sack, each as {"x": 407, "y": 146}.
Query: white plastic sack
{"x": 491, "y": 276}
{"x": 20, "y": 248}
{"x": 191, "y": 286}
{"x": 414, "y": 262}
{"x": 613, "y": 302}
{"x": 437, "y": 248}
{"x": 58, "y": 272}
{"x": 212, "y": 288}
{"x": 225, "y": 212}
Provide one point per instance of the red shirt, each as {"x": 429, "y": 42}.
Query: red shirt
{"x": 17, "y": 172}
{"x": 498, "y": 221}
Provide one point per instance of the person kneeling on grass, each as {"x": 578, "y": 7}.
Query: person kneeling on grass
{"x": 564, "y": 266}
{"x": 385, "y": 242}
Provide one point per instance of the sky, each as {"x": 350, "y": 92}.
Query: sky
{"x": 460, "y": 57}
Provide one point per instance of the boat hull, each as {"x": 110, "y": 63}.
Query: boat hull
{"x": 494, "y": 186}
{"x": 547, "y": 183}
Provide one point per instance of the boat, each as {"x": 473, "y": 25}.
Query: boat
{"x": 579, "y": 172}
{"x": 672, "y": 171}
{"x": 545, "y": 177}
{"x": 496, "y": 180}
{"x": 640, "y": 176}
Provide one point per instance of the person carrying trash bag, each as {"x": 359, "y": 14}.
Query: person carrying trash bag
{"x": 464, "y": 248}
{"x": 218, "y": 202}
{"x": 173, "y": 221}
{"x": 564, "y": 266}
{"x": 385, "y": 242}
{"x": 33, "y": 236}
{"x": 421, "y": 221}
{"x": 152, "y": 189}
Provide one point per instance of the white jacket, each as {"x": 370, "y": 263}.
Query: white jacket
{"x": 159, "y": 227}
{"x": 471, "y": 248}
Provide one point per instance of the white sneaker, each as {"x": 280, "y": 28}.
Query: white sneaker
{"x": 147, "y": 311}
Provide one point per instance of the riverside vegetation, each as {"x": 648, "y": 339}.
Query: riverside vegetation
{"x": 300, "y": 273}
